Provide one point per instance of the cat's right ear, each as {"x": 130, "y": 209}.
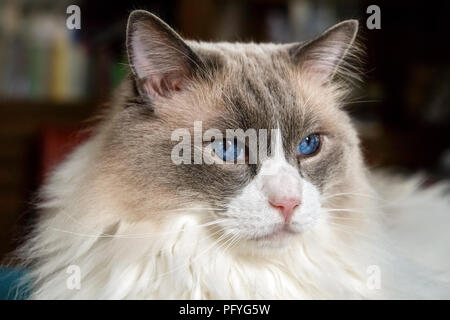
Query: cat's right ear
{"x": 327, "y": 55}
{"x": 160, "y": 60}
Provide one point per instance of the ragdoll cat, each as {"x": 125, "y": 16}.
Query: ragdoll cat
{"x": 304, "y": 221}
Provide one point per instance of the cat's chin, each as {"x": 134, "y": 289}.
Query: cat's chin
{"x": 278, "y": 240}
{"x": 276, "y": 236}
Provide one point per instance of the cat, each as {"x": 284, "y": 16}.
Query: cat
{"x": 306, "y": 221}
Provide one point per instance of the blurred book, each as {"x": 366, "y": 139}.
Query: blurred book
{"x": 45, "y": 61}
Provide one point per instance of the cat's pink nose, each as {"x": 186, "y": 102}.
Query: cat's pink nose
{"x": 286, "y": 207}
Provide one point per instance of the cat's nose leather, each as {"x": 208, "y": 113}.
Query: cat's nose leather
{"x": 286, "y": 207}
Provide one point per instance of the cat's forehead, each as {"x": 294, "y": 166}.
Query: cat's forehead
{"x": 251, "y": 59}
{"x": 258, "y": 86}
{"x": 251, "y": 86}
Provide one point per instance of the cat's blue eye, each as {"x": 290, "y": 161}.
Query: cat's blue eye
{"x": 228, "y": 150}
{"x": 309, "y": 145}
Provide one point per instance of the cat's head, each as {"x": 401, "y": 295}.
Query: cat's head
{"x": 292, "y": 92}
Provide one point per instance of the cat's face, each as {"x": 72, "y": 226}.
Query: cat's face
{"x": 285, "y": 91}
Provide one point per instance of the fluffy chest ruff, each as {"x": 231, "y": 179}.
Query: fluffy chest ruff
{"x": 184, "y": 262}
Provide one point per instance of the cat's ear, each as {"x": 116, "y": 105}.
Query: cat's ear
{"x": 322, "y": 57}
{"x": 159, "y": 58}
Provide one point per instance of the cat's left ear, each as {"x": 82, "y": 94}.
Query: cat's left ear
{"x": 322, "y": 57}
{"x": 160, "y": 59}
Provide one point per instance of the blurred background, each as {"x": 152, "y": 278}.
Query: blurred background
{"x": 53, "y": 79}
